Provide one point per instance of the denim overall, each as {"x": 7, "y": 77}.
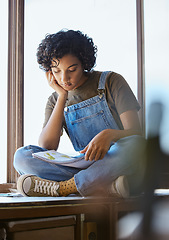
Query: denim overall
{"x": 84, "y": 121}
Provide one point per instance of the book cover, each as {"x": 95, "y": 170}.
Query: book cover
{"x": 53, "y": 156}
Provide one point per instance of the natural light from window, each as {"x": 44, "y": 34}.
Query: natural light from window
{"x": 111, "y": 24}
{"x": 157, "y": 61}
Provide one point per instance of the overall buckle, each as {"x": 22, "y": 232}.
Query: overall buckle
{"x": 101, "y": 92}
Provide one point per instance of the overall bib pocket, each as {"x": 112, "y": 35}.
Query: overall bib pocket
{"x": 84, "y": 129}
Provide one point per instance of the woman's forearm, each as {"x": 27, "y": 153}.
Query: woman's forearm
{"x": 115, "y": 135}
{"x": 50, "y": 135}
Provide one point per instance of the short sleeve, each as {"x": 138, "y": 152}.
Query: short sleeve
{"x": 122, "y": 95}
{"x": 49, "y": 107}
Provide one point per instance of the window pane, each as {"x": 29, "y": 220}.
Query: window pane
{"x": 111, "y": 24}
{"x": 157, "y": 60}
{"x": 3, "y": 88}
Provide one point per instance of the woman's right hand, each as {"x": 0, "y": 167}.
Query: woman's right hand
{"x": 48, "y": 138}
{"x": 53, "y": 84}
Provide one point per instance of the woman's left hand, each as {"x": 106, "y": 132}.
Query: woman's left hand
{"x": 98, "y": 146}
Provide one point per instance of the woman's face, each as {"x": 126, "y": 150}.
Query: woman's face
{"x": 68, "y": 72}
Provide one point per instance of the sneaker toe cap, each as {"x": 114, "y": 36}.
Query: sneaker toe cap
{"x": 27, "y": 184}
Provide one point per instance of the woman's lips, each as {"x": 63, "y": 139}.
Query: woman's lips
{"x": 66, "y": 84}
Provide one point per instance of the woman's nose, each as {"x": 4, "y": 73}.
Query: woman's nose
{"x": 64, "y": 78}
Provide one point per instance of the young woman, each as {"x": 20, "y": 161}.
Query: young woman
{"x": 99, "y": 113}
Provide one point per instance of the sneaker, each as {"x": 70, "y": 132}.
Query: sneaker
{"x": 32, "y": 186}
{"x": 120, "y": 187}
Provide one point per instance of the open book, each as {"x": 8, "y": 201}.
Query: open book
{"x": 53, "y": 156}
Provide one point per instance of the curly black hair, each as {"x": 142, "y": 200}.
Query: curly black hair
{"x": 67, "y": 42}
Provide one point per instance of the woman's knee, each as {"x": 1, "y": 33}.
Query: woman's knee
{"x": 21, "y": 156}
{"x": 17, "y": 158}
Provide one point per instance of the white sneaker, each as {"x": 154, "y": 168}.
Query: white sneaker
{"x": 32, "y": 186}
{"x": 120, "y": 187}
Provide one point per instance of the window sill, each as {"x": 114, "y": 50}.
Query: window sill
{"x": 7, "y": 187}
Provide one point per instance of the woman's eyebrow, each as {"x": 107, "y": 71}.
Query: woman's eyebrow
{"x": 75, "y": 64}
{"x": 56, "y": 66}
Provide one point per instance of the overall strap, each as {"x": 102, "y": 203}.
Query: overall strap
{"x": 102, "y": 82}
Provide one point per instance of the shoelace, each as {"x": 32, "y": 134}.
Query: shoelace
{"x": 46, "y": 187}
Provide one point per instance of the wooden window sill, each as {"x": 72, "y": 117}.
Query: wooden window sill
{"x": 7, "y": 187}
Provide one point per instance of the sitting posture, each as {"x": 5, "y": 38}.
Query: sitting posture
{"x": 98, "y": 111}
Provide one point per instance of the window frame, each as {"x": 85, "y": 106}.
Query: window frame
{"x": 15, "y": 117}
{"x": 15, "y": 112}
{"x": 141, "y": 61}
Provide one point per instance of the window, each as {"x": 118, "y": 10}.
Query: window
{"x": 157, "y": 60}
{"x": 111, "y": 24}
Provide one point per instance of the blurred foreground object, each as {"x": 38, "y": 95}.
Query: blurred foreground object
{"x": 153, "y": 222}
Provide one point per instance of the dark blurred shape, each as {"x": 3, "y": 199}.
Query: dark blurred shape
{"x": 153, "y": 220}
{"x": 154, "y": 162}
